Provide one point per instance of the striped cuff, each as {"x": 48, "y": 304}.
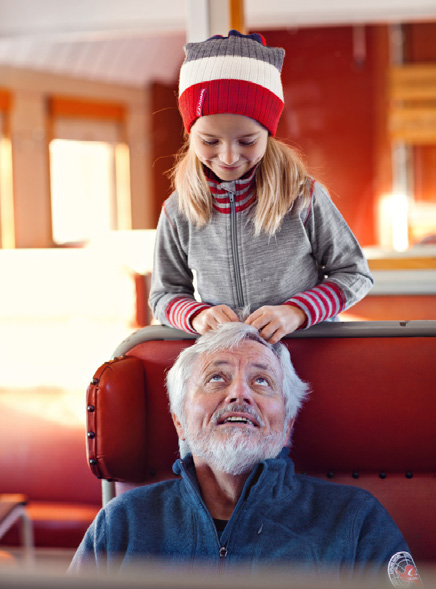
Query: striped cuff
{"x": 181, "y": 311}
{"x": 319, "y": 303}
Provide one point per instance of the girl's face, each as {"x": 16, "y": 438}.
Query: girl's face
{"x": 229, "y": 144}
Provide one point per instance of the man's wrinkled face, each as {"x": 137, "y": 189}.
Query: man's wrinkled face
{"x": 234, "y": 408}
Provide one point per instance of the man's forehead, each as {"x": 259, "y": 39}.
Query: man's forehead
{"x": 220, "y": 361}
{"x": 251, "y": 353}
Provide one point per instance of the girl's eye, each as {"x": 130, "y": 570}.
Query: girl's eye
{"x": 205, "y": 142}
{"x": 247, "y": 143}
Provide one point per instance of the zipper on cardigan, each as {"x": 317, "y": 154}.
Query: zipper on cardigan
{"x": 235, "y": 255}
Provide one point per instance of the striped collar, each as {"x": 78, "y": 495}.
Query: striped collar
{"x": 244, "y": 190}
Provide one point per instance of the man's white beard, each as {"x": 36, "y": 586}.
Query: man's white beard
{"x": 235, "y": 450}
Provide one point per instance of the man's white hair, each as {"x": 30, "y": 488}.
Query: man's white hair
{"x": 230, "y": 336}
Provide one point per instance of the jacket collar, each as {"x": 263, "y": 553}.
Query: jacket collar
{"x": 243, "y": 190}
{"x": 266, "y": 480}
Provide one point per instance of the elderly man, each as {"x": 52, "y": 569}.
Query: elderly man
{"x": 233, "y": 399}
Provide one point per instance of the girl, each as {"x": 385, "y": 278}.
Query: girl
{"x": 246, "y": 223}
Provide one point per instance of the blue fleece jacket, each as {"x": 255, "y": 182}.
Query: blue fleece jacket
{"x": 281, "y": 517}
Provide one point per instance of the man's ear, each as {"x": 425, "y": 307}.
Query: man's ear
{"x": 289, "y": 430}
{"x": 178, "y": 426}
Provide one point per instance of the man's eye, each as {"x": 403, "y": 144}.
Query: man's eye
{"x": 262, "y": 381}
{"x": 216, "y": 378}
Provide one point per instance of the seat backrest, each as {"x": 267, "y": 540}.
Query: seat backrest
{"x": 369, "y": 420}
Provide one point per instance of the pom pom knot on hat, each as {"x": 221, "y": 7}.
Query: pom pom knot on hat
{"x": 238, "y": 74}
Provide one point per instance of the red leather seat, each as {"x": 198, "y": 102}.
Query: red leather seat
{"x": 43, "y": 456}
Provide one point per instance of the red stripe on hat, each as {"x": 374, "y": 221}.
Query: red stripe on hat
{"x": 231, "y": 96}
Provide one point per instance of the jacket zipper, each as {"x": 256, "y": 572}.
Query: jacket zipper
{"x": 222, "y": 550}
{"x": 235, "y": 255}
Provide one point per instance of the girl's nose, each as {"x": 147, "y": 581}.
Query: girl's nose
{"x": 228, "y": 155}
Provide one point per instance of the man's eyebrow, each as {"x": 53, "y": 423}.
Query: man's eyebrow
{"x": 261, "y": 366}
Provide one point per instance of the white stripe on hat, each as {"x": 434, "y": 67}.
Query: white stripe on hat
{"x": 231, "y": 67}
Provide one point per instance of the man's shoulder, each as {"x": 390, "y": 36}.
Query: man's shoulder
{"x": 331, "y": 486}
{"x": 153, "y": 493}
{"x": 335, "y": 493}
{"x": 316, "y": 489}
{"x": 331, "y": 504}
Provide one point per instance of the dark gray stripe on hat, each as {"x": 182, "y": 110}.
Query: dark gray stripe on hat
{"x": 235, "y": 46}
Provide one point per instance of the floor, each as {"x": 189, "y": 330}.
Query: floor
{"x": 53, "y": 560}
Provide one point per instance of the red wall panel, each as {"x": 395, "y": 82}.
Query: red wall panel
{"x": 329, "y": 113}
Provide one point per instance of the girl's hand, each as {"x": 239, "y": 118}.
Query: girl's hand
{"x": 212, "y": 317}
{"x": 274, "y": 322}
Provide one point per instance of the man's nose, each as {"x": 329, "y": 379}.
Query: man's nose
{"x": 228, "y": 155}
{"x": 239, "y": 392}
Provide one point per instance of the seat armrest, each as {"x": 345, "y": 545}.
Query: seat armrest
{"x": 116, "y": 421}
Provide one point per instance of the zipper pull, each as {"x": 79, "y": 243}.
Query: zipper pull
{"x": 231, "y": 196}
{"x": 223, "y": 552}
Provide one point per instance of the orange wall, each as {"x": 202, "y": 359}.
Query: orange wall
{"x": 392, "y": 308}
{"x": 421, "y": 48}
{"x": 166, "y": 138}
{"x": 420, "y": 45}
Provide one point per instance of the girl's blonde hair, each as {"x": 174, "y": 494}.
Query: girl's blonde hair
{"x": 282, "y": 184}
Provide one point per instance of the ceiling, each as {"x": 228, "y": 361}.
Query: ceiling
{"x": 134, "y": 42}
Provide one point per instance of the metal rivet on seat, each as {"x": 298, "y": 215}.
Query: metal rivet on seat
{"x": 152, "y": 472}
{"x": 382, "y": 475}
{"x": 91, "y": 435}
{"x": 355, "y": 475}
{"x": 91, "y": 408}
{"x": 409, "y": 475}
{"x": 330, "y": 474}
{"x": 94, "y": 380}
{"x": 93, "y": 461}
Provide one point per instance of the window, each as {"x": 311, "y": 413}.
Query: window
{"x": 83, "y": 187}
{"x": 89, "y": 177}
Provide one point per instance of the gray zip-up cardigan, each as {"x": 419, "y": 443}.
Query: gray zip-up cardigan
{"x": 313, "y": 262}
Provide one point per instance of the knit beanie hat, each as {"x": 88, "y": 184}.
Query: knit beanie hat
{"x": 237, "y": 74}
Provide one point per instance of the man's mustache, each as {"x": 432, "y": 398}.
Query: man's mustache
{"x": 220, "y": 414}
